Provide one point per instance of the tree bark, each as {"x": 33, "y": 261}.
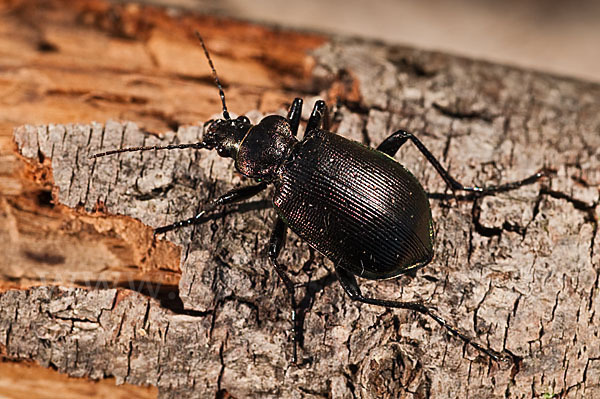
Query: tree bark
{"x": 201, "y": 313}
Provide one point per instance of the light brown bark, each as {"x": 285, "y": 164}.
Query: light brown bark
{"x": 519, "y": 270}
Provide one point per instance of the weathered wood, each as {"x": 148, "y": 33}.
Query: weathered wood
{"x": 520, "y": 270}
{"x": 27, "y": 380}
{"x": 82, "y": 61}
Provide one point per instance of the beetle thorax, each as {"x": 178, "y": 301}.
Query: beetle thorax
{"x": 265, "y": 147}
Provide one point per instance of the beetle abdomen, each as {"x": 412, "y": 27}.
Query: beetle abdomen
{"x": 356, "y": 205}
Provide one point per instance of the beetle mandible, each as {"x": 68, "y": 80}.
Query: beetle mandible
{"x": 356, "y": 205}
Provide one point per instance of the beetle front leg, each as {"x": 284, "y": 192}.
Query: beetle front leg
{"x": 319, "y": 114}
{"x": 275, "y": 244}
{"x": 393, "y": 143}
{"x": 230, "y": 197}
{"x": 350, "y": 285}
{"x": 294, "y": 115}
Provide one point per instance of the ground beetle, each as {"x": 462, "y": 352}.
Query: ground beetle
{"x": 356, "y": 205}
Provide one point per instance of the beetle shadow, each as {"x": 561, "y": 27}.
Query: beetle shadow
{"x": 312, "y": 288}
{"x": 249, "y": 206}
{"x": 166, "y": 294}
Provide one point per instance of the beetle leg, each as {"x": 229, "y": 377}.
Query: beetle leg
{"x": 326, "y": 121}
{"x": 230, "y": 197}
{"x": 319, "y": 114}
{"x": 350, "y": 285}
{"x": 275, "y": 244}
{"x": 391, "y": 145}
{"x": 294, "y": 115}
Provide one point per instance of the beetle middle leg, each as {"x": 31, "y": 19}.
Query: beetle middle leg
{"x": 230, "y": 197}
{"x": 350, "y": 285}
{"x": 275, "y": 244}
{"x": 392, "y": 144}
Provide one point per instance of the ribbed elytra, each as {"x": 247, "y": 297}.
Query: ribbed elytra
{"x": 356, "y": 205}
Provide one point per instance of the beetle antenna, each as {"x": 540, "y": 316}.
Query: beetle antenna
{"x": 214, "y": 72}
{"x": 156, "y": 147}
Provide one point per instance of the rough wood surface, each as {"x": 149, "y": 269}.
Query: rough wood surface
{"x": 520, "y": 270}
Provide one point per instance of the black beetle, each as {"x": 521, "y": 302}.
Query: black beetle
{"x": 356, "y": 205}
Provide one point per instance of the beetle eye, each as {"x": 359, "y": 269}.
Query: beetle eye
{"x": 244, "y": 119}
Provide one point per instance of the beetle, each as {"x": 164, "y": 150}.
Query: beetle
{"x": 356, "y": 205}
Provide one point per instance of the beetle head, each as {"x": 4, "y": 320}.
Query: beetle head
{"x": 225, "y": 135}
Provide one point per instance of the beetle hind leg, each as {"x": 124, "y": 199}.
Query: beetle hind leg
{"x": 350, "y": 285}
{"x": 392, "y": 144}
{"x": 275, "y": 245}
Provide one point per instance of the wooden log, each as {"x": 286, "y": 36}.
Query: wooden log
{"x": 202, "y": 314}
